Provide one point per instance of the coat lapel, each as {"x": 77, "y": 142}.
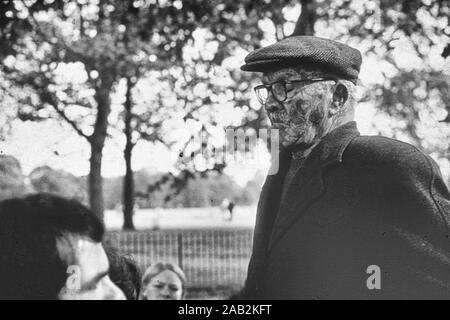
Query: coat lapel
{"x": 299, "y": 197}
{"x": 266, "y": 212}
{"x": 268, "y": 206}
{"x": 307, "y": 186}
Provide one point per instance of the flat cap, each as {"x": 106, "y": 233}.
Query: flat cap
{"x": 324, "y": 54}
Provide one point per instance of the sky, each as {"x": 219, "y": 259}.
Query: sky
{"x": 55, "y": 144}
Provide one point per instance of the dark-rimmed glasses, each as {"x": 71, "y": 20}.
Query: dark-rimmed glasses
{"x": 278, "y": 89}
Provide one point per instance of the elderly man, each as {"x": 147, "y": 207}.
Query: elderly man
{"x": 346, "y": 216}
{"x": 50, "y": 248}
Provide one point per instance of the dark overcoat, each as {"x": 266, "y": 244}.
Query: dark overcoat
{"x": 366, "y": 217}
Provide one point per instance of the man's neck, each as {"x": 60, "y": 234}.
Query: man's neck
{"x": 302, "y": 151}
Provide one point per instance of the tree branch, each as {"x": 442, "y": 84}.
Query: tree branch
{"x": 307, "y": 19}
{"x": 45, "y": 95}
{"x": 70, "y": 122}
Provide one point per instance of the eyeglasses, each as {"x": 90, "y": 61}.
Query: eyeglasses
{"x": 278, "y": 89}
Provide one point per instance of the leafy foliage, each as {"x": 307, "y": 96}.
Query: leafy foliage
{"x": 417, "y": 29}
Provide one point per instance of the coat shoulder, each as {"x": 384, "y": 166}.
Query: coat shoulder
{"x": 387, "y": 153}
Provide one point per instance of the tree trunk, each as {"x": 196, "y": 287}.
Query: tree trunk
{"x": 97, "y": 141}
{"x": 128, "y": 185}
{"x": 95, "y": 180}
{"x": 128, "y": 191}
{"x": 307, "y": 19}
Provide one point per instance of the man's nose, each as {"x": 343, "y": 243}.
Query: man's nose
{"x": 272, "y": 105}
{"x": 166, "y": 292}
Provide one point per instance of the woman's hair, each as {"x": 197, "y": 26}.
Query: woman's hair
{"x": 159, "y": 267}
{"x": 32, "y": 267}
{"x": 124, "y": 272}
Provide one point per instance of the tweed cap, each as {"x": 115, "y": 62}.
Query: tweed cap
{"x": 324, "y": 54}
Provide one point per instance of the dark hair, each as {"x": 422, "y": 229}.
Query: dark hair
{"x": 124, "y": 272}
{"x": 30, "y": 264}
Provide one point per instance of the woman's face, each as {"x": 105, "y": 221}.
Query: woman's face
{"x": 164, "y": 286}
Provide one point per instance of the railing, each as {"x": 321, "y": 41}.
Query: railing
{"x": 210, "y": 258}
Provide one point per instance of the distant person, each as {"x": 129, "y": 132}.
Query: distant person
{"x": 124, "y": 273}
{"x": 163, "y": 281}
{"x": 230, "y": 210}
{"x": 50, "y": 248}
{"x": 227, "y": 207}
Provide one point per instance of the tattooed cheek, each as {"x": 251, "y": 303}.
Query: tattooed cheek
{"x": 296, "y": 116}
{"x": 316, "y": 116}
{"x": 300, "y": 106}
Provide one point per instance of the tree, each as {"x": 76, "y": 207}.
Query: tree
{"x": 48, "y": 46}
{"x": 181, "y": 75}
{"x": 128, "y": 189}
{"x": 94, "y": 38}
{"x": 307, "y": 19}
{"x": 109, "y": 40}
{"x": 136, "y": 127}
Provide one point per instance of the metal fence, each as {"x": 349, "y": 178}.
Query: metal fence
{"x": 210, "y": 258}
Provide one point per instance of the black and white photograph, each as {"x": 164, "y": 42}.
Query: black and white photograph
{"x": 241, "y": 151}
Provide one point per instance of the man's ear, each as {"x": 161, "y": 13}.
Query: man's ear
{"x": 340, "y": 96}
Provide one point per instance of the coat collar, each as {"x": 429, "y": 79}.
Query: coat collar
{"x": 307, "y": 185}
{"x": 332, "y": 146}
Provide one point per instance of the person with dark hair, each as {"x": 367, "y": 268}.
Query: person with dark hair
{"x": 50, "y": 248}
{"x": 163, "y": 281}
{"x": 230, "y": 210}
{"x": 124, "y": 272}
{"x": 342, "y": 216}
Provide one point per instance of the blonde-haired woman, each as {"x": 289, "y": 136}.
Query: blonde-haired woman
{"x": 163, "y": 281}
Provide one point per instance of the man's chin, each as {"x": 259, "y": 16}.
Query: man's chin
{"x": 286, "y": 144}
{"x": 287, "y": 141}
{"x": 296, "y": 145}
